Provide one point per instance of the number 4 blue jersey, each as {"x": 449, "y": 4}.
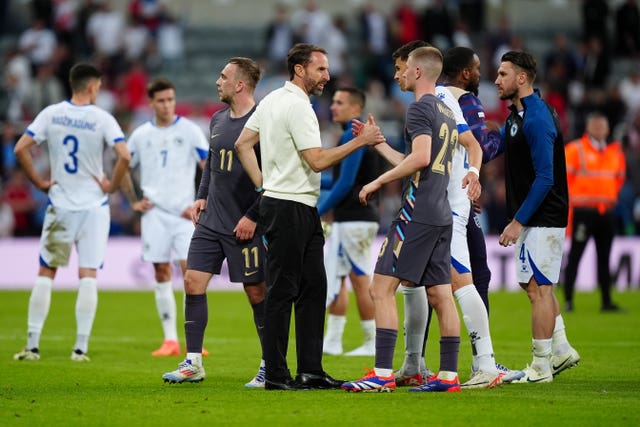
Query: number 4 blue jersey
{"x": 76, "y": 136}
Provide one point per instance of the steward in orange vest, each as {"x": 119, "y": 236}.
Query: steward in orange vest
{"x": 595, "y": 175}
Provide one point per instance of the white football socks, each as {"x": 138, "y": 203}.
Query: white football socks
{"x": 385, "y": 373}
{"x": 368, "y": 330}
{"x": 39, "y": 304}
{"x": 560, "y": 344}
{"x": 333, "y": 336}
{"x": 166, "y": 305}
{"x": 86, "y": 305}
{"x": 476, "y": 320}
{"x": 195, "y": 358}
{"x": 542, "y": 354}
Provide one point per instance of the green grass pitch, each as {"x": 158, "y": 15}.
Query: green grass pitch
{"x": 122, "y": 385}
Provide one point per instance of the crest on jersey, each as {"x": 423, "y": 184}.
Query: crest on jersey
{"x": 513, "y": 129}
{"x": 178, "y": 140}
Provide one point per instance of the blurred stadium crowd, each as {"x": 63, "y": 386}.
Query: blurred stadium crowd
{"x": 593, "y": 67}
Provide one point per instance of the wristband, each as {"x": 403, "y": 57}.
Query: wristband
{"x": 259, "y": 189}
{"x": 474, "y": 170}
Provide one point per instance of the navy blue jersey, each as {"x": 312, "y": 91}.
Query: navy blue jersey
{"x": 535, "y": 167}
{"x": 228, "y": 189}
{"x": 349, "y": 176}
{"x": 473, "y": 112}
{"x": 425, "y": 199}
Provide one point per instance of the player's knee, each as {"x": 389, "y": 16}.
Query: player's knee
{"x": 193, "y": 286}
{"x": 536, "y": 292}
{"x": 377, "y": 293}
{"x": 255, "y": 292}
{"x": 253, "y": 299}
{"x": 163, "y": 272}
{"x": 49, "y": 272}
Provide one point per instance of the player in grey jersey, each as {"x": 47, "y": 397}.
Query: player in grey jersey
{"x": 417, "y": 247}
{"x": 225, "y": 214}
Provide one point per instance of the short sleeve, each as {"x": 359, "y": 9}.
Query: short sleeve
{"x": 253, "y": 123}
{"x": 419, "y": 120}
{"x": 112, "y": 131}
{"x": 200, "y": 143}
{"x": 38, "y": 128}
{"x": 132, "y": 144}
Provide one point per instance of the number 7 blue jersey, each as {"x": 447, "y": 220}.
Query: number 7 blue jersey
{"x": 168, "y": 157}
{"x": 76, "y": 137}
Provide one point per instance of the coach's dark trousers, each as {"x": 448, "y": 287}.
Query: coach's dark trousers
{"x": 295, "y": 276}
{"x": 589, "y": 222}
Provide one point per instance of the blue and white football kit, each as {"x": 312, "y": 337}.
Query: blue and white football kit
{"x": 168, "y": 157}
{"x": 76, "y": 136}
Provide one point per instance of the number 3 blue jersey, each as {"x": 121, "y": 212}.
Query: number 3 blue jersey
{"x": 76, "y": 136}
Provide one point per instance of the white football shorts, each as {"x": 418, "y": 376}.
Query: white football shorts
{"x": 460, "y": 260}
{"x": 164, "y": 234}
{"x": 88, "y": 229}
{"x": 349, "y": 249}
{"x": 539, "y": 254}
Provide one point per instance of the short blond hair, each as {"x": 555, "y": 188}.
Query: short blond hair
{"x": 429, "y": 59}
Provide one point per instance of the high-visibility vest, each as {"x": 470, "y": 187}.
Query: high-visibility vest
{"x": 594, "y": 176}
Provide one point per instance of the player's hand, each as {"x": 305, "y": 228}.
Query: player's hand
{"x": 105, "y": 184}
{"x": 477, "y": 208}
{"x": 187, "y": 213}
{"x": 245, "y": 228}
{"x": 371, "y": 132}
{"x": 45, "y": 185}
{"x": 473, "y": 186}
{"x": 356, "y": 127}
{"x": 197, "y": 207}
{"x": 511, "y": 233}
{"x": 142, "y": 206}
{"x": 368, "y": 191}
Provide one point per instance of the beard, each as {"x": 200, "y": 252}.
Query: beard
{"x": 313, "y": 87}
{"x": 316, "y": 90}
{"x": 509, "y": 95}
{"x": 473, "y": 88}
{"x": 224, "y": 98}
